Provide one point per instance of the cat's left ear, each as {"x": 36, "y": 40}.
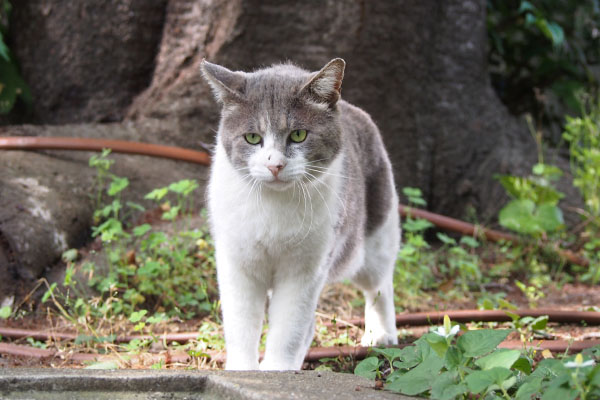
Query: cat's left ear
{"x": 226, "y": 85}
{"x": 326, "y": 85}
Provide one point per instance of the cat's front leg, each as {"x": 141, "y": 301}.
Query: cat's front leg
{"x": 291, "y": 322}
{"x": 243, "y": 300}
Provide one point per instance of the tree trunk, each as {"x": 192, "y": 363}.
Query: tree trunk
{"x": 417, "y": 66}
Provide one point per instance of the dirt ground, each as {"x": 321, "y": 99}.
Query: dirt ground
{"x": 340, "y": 302}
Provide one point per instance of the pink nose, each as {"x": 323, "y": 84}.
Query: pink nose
{"x": 275, "y": 169}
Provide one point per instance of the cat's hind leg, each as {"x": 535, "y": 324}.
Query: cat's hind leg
{"x": 376, "y": 280}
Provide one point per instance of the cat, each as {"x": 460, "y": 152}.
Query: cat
{"x": 300, "y": 193}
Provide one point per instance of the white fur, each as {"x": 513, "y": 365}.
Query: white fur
{"x": 277, "y": 236}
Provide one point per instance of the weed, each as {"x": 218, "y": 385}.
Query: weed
{"x": 148, "y": 274}
{"x": 441, "y": 365}
{"x": 420, "y": 268}
{"x": 534, "y": 208}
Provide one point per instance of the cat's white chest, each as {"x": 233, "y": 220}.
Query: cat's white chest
{"x": 258, "y": 226}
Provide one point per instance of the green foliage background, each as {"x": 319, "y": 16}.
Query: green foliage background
{"x": 12, "y": 85}
{"x": 542, "y": 53}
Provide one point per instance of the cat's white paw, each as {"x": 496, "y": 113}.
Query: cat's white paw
{"x": 378, "y": 338}
{"x": 241, "y": 365}
{"x": 269, "y": 365}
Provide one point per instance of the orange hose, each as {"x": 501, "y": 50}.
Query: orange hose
{"x": 118, "y": 146}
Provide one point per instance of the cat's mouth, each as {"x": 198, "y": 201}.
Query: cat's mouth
{"x": 278, "y": 184}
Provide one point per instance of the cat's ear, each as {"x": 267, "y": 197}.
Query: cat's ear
{"x": 326, "y": 85}
{"x": 226, "y": 85}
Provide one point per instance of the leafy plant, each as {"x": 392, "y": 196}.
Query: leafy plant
{"x": 441, "y": 366}
{"x": 542, "y": 54}
{"x": 149, "y": 273}
{"x": 12, "y": 85}
{"x": 534, "y": 208}
{"x": 419, "y": 267}
{"x": 414, "y": 263}
{"x": 460, "y": 259}
{"x": 5, "y": 312}
{"x": 583, "y": 135}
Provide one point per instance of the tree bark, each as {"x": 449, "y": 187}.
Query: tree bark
{"x": 417, "y": 66}
{"x": 84, "y": 60}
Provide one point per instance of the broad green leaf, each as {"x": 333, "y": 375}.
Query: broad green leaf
{"x": 539, "y": 323}
{"x": 171, "y": 214}
{"x": 367, "y": 368}
{"x": 156, "y": 318}
{"x": 184, "y": 186}
{"x": 549, "y": 171}
{"x": 453, "y": 358}
{"x": 70, "y": 255}
{"x": 517, "y": 215}
{"x": 549, "y": 217}
{"x": 529, "y": 388}
{"x": 110, "y": 230}
{"x": 438, "y": 343}
{"x": 480, "y": 342}
{"x": 523, "y": 364}
{"x": 117, "y": 185}
{"x": 507, "y": 305}
{"x": 4, "y": 52}
{"x": 447, "y": 387}
{"x": 137, "y": 316}
{"x": 412, "y": 192}
{"x": 469, "y": 241}
{"x": 135, "y": 206}
{"x": 391, "y": 353}
{"x": 416, "y": 225}
{"x": 420, "y": 378}
{"x": 445, "y": 239}
{"x": 526, "y": 6}
{"x": 417, "y": 201}
{"x": 594, "y": 377}
{"x": 157, "y": 194}
{"x": 500, "y": 358}
{"x": 557, "y": 35}
{"x": 141, "y": 230}
{"x": 556, "y": 393}
{"x": 410, "y": 357}
{"x": 479, "y": 381}
{"x": 5, "y": 312}
{"x": 487, "y": 304}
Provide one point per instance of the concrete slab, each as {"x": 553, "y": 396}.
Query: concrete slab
{"x": 66, "y": 384}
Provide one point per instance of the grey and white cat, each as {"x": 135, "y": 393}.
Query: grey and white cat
{"x": 301, "y": 193}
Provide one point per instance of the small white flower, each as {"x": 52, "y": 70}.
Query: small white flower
{"x": 579, "y": 363}
{"x": 447, "y": 330}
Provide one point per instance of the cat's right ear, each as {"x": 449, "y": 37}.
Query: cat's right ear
{"x": 226, "y": 85}
{"x": 326, "y": 85}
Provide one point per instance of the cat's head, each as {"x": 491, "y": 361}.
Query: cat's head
{"x": 279, "y": 124}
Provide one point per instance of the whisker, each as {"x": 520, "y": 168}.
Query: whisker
{"x": 325, "y": 172}
{"x": 315, "y": 161}
{"x": 311, "y": 213}
{"x": 314, "y": 183}
{"x": 334, "y": 192}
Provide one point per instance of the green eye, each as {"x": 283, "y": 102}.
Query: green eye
{"x": 299, "y": 135}
{"x": 252, "y": 138}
